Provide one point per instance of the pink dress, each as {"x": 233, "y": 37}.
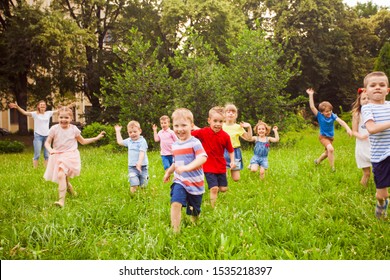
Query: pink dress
{"x": 68, "y": 156}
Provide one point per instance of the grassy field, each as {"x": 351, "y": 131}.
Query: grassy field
{"x": 299, "y": 212}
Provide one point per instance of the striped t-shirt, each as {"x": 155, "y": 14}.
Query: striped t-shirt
{"x": 380, "y": 142}
{"x": 184, "y": 153}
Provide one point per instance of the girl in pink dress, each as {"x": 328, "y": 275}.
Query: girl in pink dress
{"x": 64, "y": 160}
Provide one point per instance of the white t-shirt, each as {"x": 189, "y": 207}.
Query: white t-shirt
{"x": 41, "y": 122}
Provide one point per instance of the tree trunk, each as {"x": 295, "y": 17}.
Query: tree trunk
{"x": 20, "y": 91}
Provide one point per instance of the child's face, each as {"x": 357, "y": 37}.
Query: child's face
{"x": 215, "y": 122}
{"x": 364, "y": 98}
{"x": 64, "y": 119}
{"x": 231, "y": 116}
{"x": 261, "y": 130}
{"x": 182, "y": 128}
{"x": 134, "y": 132}
{"x": 327, "y": 112}
{"x": 164, "y": 124}
{"x": 377, "y": 89}
{"x": 42, "y": 107}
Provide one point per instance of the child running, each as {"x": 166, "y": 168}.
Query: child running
{"x": 235, "y": 131}
{"x": 166, "y": 137}
{"x": 376, "y": 117}
{"x": 326, "y": 119}
{"x": 64, "y": 160}
{"x": 362, "y": 147}
{"x": 137, "y": 154}
{"x": 189, "y": 156}
{"x": 215, "y": 141}
{"x": 262, "y": 140}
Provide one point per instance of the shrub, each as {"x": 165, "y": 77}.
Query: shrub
{"x": 92, "y": 130}
{"x": 7, "y": 147}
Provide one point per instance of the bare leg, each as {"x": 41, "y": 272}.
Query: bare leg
{"x": 35, "y": 163}
{"x": 133, "y": 189}
{"x": 262, "y": 172}
{"x": 70, "y": 188}
{"x": 213, "y": 195}
{"x": 330, "y": 151}
{"x": 235, "y": 175}
{"x": 176, "y": 216}
{"x": 366, "y": 176}
{"x": 61, "y": 189}
{"x": 323, "y": 156}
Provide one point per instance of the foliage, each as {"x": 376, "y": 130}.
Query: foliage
{"x": 7, "y": 146}
{"x": 299, "y": 212}
{"x": 140, "y": 85}
{"x": 383, "y": 61}
{"x": 93, "y": 129}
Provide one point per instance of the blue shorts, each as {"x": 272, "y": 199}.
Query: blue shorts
{"x": 381, "y": 172}
{"x": 137, "y": 178}
{"x": 216, "y": 180}
{"x": 260, "y": 161}
{"x": 237, "y": 158}
{"x": 190, "y": 201}
{"x": 167, "y": 161}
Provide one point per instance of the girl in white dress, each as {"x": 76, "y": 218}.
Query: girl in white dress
{"x": 362, "y": 147}
{"x": 64, "y": 160}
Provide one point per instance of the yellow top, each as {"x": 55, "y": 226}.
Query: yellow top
{"x": 234, "y": 131}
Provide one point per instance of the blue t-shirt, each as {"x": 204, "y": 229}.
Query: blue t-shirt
{"x": 134, "y": 147}
{"x": 326, "y": 124}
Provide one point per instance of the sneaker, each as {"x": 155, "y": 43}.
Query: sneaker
{"x": 333, "y": 169}
{"x": 381, "y": 211}
{"x": 316, "y": 162}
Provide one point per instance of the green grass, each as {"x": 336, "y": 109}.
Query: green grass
{"x": 301, "y": 211}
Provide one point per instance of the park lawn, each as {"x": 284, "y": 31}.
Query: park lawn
{"x": 299, "y": 212}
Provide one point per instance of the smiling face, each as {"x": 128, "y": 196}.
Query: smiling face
{"x": 377, "y": 88}
{"x": 41, "y": 107}
{"x": 261, "y": 130}
{"x": 182, "y": 128}
{"x": 230, "y": 116}
{"x": 215, "y": 121}
{"x": 164, "y": 124}
{"x": 64, "y": 118}
{"x": 134, "y": 132}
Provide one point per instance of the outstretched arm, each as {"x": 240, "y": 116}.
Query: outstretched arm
{"x": 313, "y": 108}
{"x": 155, "y": 134}
{"x": 355, "y": 128}
{"x": 276, "y": 133}
{"x": 248, "y": 134}
{"x": 86, "y": 141}
{"x": 345, "y": 125}
{"x": 16, "y": 106}
{"x": 118, "y": 134}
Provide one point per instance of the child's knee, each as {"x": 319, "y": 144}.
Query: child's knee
{"x": 330, "y": 148}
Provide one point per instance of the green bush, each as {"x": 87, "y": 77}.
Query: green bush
{"x": 92, "y": 130}
{"x": 8, "y": 147}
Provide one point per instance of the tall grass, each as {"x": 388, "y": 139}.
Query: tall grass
{"x": 300, "y": 211}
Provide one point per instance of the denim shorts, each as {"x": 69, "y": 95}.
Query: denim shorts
{"x": 216, "y": 180}
{"x": 39, "y": 143}
{"x": 381, "y": 172}
{"x": 190, "y": 201}
{"x": 137, "y": 178}
{"x": 237, "y": 158}
{"x": 260, "y": 161}
{"x": 167, "y": 161}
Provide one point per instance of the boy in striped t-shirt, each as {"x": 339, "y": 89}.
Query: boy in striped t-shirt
{"x": 188, "y": 157}
{"x": 376, "y": 117}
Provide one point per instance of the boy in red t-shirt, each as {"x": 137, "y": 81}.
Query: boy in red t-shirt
{"x": 215, "y": 141}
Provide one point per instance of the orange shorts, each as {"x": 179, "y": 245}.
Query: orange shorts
{"x": 325, "y": 140}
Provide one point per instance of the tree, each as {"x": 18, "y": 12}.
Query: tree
{"x": 383, "y": 61}
{"x": 139, "y": 86}
{"x": 37, "y": 58}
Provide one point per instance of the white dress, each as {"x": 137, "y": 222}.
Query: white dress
{"x": 362, "y": 147}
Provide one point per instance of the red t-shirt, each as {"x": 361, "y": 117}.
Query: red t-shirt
{"x": 214, "y": 145}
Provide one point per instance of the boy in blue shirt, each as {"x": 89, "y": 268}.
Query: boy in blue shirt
{"x": 326, "y": 119}
{"x": 137, "y": 157}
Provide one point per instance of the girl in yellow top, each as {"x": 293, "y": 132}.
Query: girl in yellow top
{"x": 235, "y": 131}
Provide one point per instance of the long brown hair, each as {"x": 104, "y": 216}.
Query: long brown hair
{"x": 356, "y": 106}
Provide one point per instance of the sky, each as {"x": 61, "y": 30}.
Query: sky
{"x": 377, "y": 2}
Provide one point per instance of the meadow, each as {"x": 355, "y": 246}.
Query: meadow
{"x": 299, "y": 212}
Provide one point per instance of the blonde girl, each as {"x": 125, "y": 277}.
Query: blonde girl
{"x": 262, "y": 140}
{"x": 41, "y": 128}
{"x": 235, "y": 131}
{"x": 64, "y": 160}
{"x": 362, "y": 147}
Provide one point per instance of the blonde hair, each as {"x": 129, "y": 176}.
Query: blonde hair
{"x": 267, "y": 127}
{"x": 183, "y": 113}
{"x": 374, "y": 74}
{"x": 231, "y": 107}
{"x": 165, "y": 118}
{"x": 133, "y": 124}
{"x": 66, "y": 109}
{"x": 324, "y": 105}
{"x": 217, "y": 110}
